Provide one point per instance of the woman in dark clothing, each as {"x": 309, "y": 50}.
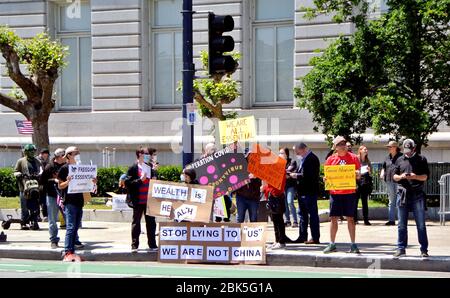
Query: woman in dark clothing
{"x": 291, "y": 183}
{"x": 364, "y": 184}
{"x": 137, "y": 183}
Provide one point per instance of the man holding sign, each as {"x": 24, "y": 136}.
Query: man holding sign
{"x": 341, "y": 172}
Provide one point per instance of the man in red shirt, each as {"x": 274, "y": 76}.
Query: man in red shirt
{"x": 342, "y": 202}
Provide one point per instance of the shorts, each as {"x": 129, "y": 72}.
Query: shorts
{"x": 343, "y": 205}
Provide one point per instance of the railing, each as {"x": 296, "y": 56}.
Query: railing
{"x": 444, "y": 206}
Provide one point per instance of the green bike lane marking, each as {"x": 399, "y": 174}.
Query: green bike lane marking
{"x": 180, "y": 270}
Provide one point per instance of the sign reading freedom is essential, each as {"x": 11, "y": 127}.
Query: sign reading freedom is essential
{"x": 240, "y": 129}
{"x": 225, "y": 170}
{"x": 179, "y": 201}
{"x": 212, "y": 243}
{"x": 266, "y": 165}
{"x": 82, "y": 176}
{"x": 340, "y": 177}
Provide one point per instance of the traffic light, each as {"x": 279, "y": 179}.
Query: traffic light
{"x": 218, "y": 44}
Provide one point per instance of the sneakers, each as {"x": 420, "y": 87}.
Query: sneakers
{"x": 24, "y": 227}
{"x": 390, "y": 223}
{"x": 54, "y": 245}
{"x": 424, "y": 255}
{"x": 69, "y": 257}
{"x": 45, "y": 219}
{"x": 330, "y": 248}
{"x": 79, "y": 245}
{"x": 312, "y": 241}
{"x": 287, "y": 224}
{"x": 399, "y": 253}
{"x": 153, "y": 248}
{"x": 354, "y": 249}
{"x": 278, "y": 246}
{"x": 295, "y": 225}
{"x": 34, "y": 226}
{"x": 367, "y": 223}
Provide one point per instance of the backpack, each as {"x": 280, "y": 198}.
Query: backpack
{"x": 31, "y": 189}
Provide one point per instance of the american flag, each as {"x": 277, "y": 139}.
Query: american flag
{"x": 24, "y": 127}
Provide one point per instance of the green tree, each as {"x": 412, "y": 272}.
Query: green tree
{"x": 43, "y": 59}
{"x": 392, "y": 74}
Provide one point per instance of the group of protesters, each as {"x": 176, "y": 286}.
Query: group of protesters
{"x": 404, "y": 175}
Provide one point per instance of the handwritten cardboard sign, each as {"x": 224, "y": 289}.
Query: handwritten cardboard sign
{"x": 225, "y": 170}
{"x": 340, "y": 177}
{"x": 179, "y": 201}
{"x": 229, "y": 243}
{"x": 266, "y": 165}
{"x": 82, "y": 176}
{"x": 240, "y": 129}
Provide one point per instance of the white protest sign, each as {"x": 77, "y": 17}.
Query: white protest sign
{"x": 247, "y": 253}
{"x": 166, "y": 207}
{"x": 185, "y": 212}
{"x": 219, "y": 208}
{"x": 206, "y": 234}
{"x": 173, "y": 233}
{"x": 171, "y": 192}
{"x": 119, "y": 203}
{"x": 232, "y": 234}
{"x": 217, "y": 253}
{"x": 146, "y": 169}
{"x": 168, "y": 252}
{"x": 82, "y": 176}
{"x": 253, "y": 233}
{"x": 191, "y": 252}
{"x": 198, "y": 195}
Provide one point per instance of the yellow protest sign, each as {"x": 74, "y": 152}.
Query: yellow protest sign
{"x": 340, "y": 177}
{"x": 240, "y": 129}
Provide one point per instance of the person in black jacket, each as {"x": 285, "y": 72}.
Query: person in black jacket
{"x": 137, "y": 183}
{"x": 247, "y": 198}
{"x": 307, "y": 176}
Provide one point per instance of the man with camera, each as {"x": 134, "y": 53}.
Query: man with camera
{"x": 27, "y": 172}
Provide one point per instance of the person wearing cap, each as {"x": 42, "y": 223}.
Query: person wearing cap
{"x": 50, "y": 180}
{"x": 342, "y": 202}
{"x": 43, "y": 157}
{"x": 28, "y": 167}
{"x": 73, "y": 205}
{"x": 411, "y": 172}
{"x": 307, "y": 175}
{"x": 387, "y": 174}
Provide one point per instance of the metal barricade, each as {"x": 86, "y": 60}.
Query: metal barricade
{"x": 444, "y": 206}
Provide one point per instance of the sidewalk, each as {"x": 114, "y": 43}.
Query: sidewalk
{"x": 109, "y": 241}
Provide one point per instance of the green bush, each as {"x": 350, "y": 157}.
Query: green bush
{"x": 170, "y": 173}
{"x": 8, "y": 183}
{"x": 108, "y": 179}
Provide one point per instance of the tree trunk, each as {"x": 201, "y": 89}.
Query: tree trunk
{"x": 40, "y": 133}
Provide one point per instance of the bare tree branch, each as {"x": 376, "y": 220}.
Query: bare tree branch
{"x": 215, "y": 109}
{"x": 13, "y": 104}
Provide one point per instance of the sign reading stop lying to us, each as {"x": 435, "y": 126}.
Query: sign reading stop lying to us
{"x": 212, "y": 243}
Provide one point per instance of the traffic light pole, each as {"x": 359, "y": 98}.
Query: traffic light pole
{"x": 188, "y": 81}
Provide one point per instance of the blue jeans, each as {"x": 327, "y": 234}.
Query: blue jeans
{"x": 309, "y": 213}
{"x": 243, "y": 204}
{"x": 289, "y": 202}
{"x": 392, "y": 194}
{"x": 52, "y": 210}
{"x": 417, "y": 206}
{"x": 73, "y": 223}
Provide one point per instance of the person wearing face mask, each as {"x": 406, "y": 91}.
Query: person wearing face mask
{"x": 411, "y": 172}
{"x": 28, "y": 168}
{"x": 152, "y": 162}
{"x": 73, "y": 205}
{"x": 137, "y": 183}
{"x": 307, "y": 176}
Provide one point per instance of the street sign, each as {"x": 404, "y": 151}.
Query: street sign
{"x": 191, "y": 113}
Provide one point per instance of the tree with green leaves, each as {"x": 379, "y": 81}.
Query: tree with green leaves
{"x": 34, "y": 99}
{"x": 391, "y": 75}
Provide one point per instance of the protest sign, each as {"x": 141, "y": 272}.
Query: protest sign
{"x": 119, "y": 202}
{"x": 180, "y": 201}
{"x": 240, "y": 129}
{"x": 219, "y": 207}
{"x": 340, "y": 177}
{"x": 229, "y": 243}
{"x": 266, "y": 165}
{"x": 82, "y": 176}
{"x": 225, "y": 170}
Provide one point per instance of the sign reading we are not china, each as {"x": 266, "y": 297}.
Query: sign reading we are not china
{"x": 212, "y": 243}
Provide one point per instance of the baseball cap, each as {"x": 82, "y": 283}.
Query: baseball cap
{"x": 71, "y": 149}
{"x": 337, "y": 140}
{"x": 59, "y": 152}
{"x": 392, "y": 144}
{"x": 408, "y": 145}
{"x": 44, "y": 150}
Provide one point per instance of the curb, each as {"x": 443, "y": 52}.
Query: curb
{"x": 371, "y": 262}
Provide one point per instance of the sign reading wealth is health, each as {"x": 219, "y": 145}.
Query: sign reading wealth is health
{"x": 240, "y": 129}
{"x": 266, "y": 165}
{"x": 212, "y": 243}
{"x": 82, "y": 176}
{"x": 179, "y": 201}
{"x": 340, "y": 177}
{"x": 225, "y": 170}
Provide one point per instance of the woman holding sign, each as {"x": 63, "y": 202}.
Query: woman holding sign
{"x": 137, "y": 183}
{"x": 342, "y": 199}
{"x": 364, "y": 184}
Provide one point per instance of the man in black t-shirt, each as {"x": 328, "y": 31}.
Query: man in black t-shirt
{"x": 411, "y": 172}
